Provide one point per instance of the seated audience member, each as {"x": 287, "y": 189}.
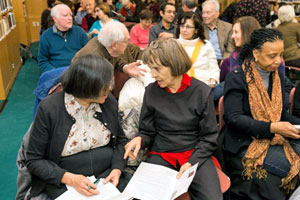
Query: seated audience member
{"x": 153, "y": 6}
{"x": 166, "y": 27}
{"x": 261, "y": 145}
{"x": 76, "y": 133}
{"x": 119, "y": 5}
{"x": 259, "y": 9}
{"x": 217, "y": 31}
{"x": 89, "y": 19}
{"x": 60, "y": 43}
{"x": 172, "y": 140}
{"x": 241, "y": 31}
{"x": 139, "y": 33}
{"x": 128, "y": 9}
{"x": 201, "y": 52}
{"x": 46, "y": 19}
{"x": 112, "y": 8}
{"x": 103, "y": 13}
{"x": 112, "y": 43}
{"x": 81, "y": 12}
{"x": 188, "y": 6}
{"x": 291, "y": 35}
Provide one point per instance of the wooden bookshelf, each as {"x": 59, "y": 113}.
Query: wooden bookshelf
{"x": 9, "y": 55}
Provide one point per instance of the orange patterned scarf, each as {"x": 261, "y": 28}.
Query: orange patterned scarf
{"x": 264, "y": 109}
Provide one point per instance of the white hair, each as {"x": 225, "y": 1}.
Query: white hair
{"x": 286, "y": 14}
{"x": 215, "y": 2}
{"x": 111, "y": 32}
{"x": 55, "y": 10}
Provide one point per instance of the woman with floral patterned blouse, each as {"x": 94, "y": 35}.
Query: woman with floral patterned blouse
{"x": 76, "y": 132}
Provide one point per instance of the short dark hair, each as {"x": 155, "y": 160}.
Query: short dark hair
{"x": 146, "y": 14}
{"x": 87, "y": 76}
{"x": 163, "y": 6}
{"x": 197, "y": 23}
{"x": 189, "y": 3}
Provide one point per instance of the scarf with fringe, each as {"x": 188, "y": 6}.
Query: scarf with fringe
{"x": 264, "y": 109}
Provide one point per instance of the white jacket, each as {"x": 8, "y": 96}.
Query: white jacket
{"x": 206, "y": 65}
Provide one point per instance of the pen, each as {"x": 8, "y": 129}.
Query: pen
{"x": 97, "y": 180}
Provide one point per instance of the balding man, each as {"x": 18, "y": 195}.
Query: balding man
{"x": 60, "y": 43}
{"x": 112, "y": 43}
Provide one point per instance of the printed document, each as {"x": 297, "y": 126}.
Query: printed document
{"x": 149, "y": 182}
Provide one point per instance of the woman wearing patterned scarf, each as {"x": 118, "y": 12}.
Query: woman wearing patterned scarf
{"x": 261, "y": 144}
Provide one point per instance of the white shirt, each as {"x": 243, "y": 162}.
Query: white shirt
{"x": 206, "y": 65}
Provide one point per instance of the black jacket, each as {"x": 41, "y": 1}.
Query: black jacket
{"x": 49, "y": 133}
{"x": 240, "y": 126}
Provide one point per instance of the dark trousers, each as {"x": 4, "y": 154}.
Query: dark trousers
{"x": 205, "y": 186}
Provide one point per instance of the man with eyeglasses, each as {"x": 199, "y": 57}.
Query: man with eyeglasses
{"x": 217, "y": 31}
{"x": 59, "y": 43}
{"x": 165, "y": 28}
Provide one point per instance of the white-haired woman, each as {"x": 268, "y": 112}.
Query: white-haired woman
{"x": 291, "y": 35}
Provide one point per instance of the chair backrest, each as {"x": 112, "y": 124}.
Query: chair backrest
{"x": 221, "y": 113}
{"x": 291, "y": 100}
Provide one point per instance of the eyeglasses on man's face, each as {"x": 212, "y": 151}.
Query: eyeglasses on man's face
{"x": 170, "y": 12}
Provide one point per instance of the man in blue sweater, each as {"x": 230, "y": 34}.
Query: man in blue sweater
{"x": 59, "y": 43}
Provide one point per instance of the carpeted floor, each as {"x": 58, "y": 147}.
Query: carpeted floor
{"x": 14, "y": 121}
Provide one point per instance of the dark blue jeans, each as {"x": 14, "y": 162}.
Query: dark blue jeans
{"x": 276, "y": 161}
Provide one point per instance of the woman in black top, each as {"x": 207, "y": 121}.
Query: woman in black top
{"x": 177, "y": 121}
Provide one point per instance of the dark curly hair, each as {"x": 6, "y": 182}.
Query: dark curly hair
{"x": 257, "y": 39}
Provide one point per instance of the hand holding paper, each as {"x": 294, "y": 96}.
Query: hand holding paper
{"x": 183, "y": 168}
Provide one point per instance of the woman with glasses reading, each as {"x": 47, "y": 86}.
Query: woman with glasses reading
{"x": 201, "y": 52}
{"x": 178, "y": 121}
{"x": 102, "y": 11}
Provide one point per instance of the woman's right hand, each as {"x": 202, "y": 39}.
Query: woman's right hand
{"x": 285, "y": 129}
{"x": 81, "y": 183}
{"x": 133, "y": 147}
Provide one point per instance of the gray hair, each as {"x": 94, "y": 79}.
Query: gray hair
{"x": 286, "y": 14}
{"x": 113, "y": 31}
{"x": 214, "y": 2}
{"x": 55, "y": 10}
{"x": 189, "y": 3}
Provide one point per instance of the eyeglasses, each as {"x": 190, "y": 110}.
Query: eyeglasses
{"x": 170, "y": 12}
{"x": 187, "y": 26}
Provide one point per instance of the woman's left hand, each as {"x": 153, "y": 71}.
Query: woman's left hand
{"x": 113, "y": 177}
{"x": 183, "y": 168}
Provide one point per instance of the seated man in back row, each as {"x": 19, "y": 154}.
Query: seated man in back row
{"x": 166, "y": 28}
{"x": 217, "y": 31}
{"x": 59, "y": 43}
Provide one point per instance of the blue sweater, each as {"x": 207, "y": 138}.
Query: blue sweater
{"x": 57, "y": 51}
